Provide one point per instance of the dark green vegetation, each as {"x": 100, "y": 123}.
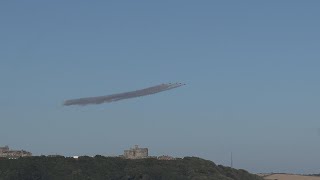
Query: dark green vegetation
{"x": 107, "y": 168}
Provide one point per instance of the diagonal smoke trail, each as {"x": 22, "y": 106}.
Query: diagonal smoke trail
{"x": 122, "y": 96}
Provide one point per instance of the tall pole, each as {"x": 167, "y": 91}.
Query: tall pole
{"x": 231, "y": 161}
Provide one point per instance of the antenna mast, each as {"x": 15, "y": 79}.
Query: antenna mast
{"x": 231, "y": 161}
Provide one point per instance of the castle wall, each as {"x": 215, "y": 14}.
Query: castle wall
{"x": 4, "y": 149}
{"x": 7, "y": 153}
{"x": 142, "y": 152}
{"x": 136, "y": 153}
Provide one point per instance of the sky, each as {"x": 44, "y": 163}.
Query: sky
{"x": 251, "y": 69}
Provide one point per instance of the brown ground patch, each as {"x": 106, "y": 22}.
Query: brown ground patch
{"x": 290, "y": 177}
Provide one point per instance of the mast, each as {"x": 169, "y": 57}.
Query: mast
{"x": 231, "y": 161}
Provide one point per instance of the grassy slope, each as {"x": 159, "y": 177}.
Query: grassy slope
{"x": 45, "y": 168}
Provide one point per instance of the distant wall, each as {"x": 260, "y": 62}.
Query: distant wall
{"x": 4, "y": 149}
{"x": 136, "y": 153}
{"x": 7, "y": 153}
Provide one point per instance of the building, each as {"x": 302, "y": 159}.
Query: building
{"x": 5, "y": 152}
{"x": 136, "y": 153}
{"x": 4, "y": 149}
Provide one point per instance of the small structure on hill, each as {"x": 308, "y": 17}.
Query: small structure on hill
{"x": 166, "y": 158}
{"x": 136, "y": 153}
{"x": 13, "y": 154}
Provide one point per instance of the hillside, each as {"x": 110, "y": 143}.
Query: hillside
{"x": 99, "y": 167}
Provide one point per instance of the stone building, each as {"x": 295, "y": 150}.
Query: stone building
{"x": 4, "y": 149}
{"x": 13, "y": 154}
{"x": 136, "y": 153}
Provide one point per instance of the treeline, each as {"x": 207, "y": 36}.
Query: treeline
{"x": 112, "y": 168}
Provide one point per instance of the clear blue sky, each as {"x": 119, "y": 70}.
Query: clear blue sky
{"x": 251, "y": 68}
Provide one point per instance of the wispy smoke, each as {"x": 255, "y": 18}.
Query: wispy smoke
{"x": 121, "y": 96}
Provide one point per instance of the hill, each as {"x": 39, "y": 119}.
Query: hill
{"x": 113, "y": 168}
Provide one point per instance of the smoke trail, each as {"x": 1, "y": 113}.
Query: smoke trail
{"x": 122, "y": 96}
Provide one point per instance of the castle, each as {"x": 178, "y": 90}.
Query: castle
{"x": 5, "y": 152}
{"x": 136, "y": 153}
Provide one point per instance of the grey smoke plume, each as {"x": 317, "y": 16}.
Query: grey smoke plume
{"x": 122, "y": 96}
